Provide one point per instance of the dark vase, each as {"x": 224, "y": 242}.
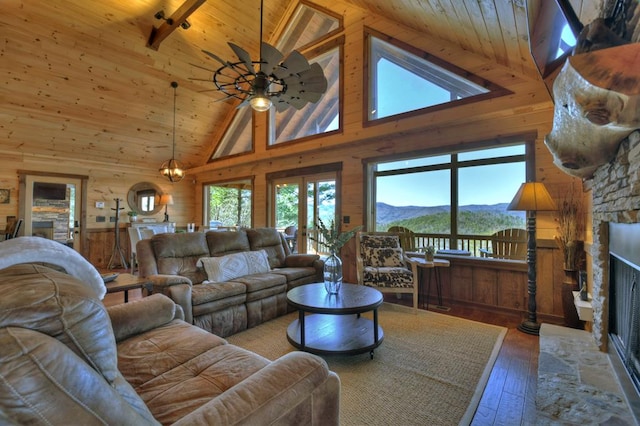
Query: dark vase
{"x": 569, "y": 285}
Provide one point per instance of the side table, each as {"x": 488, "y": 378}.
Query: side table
{"x": 125, "y": 282}
{"x": 427, "y": 267}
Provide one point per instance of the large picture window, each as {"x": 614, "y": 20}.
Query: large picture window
{"x": 454, "y": 198}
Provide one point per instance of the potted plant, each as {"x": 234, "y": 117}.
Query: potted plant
{"x": 333, "y": 240}
{"x": 429, "y": 252}
{"x": 133, "y": 215}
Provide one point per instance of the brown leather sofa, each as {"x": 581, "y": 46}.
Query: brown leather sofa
{"x": 66, "y": 359}
{"x": 225, "y": 306}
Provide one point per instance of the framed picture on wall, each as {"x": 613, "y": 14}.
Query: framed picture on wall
{"x": 5, "y": 196}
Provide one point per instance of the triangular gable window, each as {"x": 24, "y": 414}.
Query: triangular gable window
{"x": 238, "y": 139}
{"x": 402, "y": 81}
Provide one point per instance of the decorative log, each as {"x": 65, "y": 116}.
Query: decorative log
{"x": 597, "y": 105}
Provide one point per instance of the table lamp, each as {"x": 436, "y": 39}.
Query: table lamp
{"x": 167, "y": 200}
{"x": 532, "y": 197}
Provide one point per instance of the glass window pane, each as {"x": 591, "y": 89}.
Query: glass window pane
{"x": 315, "y": 118}
{"x": 422, "y": 83}
{"x": 414, "y": 162}
{"x": 306, "y": 26}
{"x": 418, "y": 201}
{"x": 228, "y": 204}
{"x": 238, "y": 138}
{"x": 483, "y": 196}
{"x": 503, "y": 151}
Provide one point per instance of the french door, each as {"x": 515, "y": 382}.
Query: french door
{"x": 296, "y": 205}
{"x": 52, "y": 208}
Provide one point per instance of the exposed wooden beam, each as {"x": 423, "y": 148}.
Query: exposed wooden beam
{"x": 173, "y": 22}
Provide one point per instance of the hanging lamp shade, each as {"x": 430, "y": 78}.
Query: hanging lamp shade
{"x": 170, "y": 168}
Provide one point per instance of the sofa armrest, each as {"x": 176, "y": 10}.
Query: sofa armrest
{"x": 296, "y": 388}
{"x": 178, "y": 289}
{"x": 298, "y": 260}
{"x": 129, "y": 319}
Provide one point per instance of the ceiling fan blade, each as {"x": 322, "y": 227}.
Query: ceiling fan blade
{"x": 280, "y": 105}
{"x": 294, "y": 101}
{"x": 202, "y": 68}
{"x": 312, "y": 80}
{"x": 294, "y": 64}
{"x": 244, "y": 57}
{"x": 223, "y": 62}
{"x": 270, "y": 57}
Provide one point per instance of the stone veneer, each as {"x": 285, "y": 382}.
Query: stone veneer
{"x": 616, "y": 198}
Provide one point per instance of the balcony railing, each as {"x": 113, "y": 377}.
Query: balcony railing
{"x": 470, "y": 243}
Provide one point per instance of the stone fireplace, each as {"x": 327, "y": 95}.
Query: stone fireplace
{"x": 616, "y": 200}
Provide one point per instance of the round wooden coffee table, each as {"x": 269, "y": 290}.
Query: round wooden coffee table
{"x": 335, "y": 325}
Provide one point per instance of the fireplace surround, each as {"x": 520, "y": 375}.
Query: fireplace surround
{"x": 615, "y": 254}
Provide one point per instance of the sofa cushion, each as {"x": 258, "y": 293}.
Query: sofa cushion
{"x": 227, "y": 242}
{"x": 226, "y": 268}
{"x": 271, "y": 241}
{"x": 208, "y": 292}
{"x": 177, "y": 254}
{"x": 176, "y": 368}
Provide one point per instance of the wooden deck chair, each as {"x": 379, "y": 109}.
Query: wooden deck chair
{"x": 508, "y": 244}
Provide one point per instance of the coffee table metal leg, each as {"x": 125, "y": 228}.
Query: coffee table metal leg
{"x": 126, "y": 296}
{"x": 301, "y": 323}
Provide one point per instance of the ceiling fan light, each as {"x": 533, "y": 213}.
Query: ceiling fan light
{"x": 260, "y": 103}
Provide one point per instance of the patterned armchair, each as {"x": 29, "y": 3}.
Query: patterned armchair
{"x": 381, "y": 263}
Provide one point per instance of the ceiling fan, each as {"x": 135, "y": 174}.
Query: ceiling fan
{"x": 272, "y": 80}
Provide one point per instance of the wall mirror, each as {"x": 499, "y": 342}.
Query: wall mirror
{"x": 144, "y": 197}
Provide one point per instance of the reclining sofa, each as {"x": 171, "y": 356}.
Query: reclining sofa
{"x": 226, "y": 281}
{"x": 66, "y": 359}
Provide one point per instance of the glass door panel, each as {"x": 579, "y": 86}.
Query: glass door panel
{"x": 52, "y": 209}
{"x": 298, "y": 203}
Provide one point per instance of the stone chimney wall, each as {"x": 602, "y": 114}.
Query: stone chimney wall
{"x": 616, "y": 198}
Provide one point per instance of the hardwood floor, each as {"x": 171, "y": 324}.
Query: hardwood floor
{"x": 509, "y": 397}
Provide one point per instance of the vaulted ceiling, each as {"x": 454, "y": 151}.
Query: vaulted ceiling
{"x": 78, "y": 80}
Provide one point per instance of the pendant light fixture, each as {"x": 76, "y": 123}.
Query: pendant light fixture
{"x": 271, "y": 80}
{"x": 170, "y": 168}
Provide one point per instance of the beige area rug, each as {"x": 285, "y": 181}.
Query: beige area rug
{"x": 431, "y": 369}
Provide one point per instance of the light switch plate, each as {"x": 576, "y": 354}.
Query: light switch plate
{"x": 100, "y": 204}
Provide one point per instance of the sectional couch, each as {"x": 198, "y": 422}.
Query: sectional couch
{"x": 226, "y": 281}
{"x": 66, "y": 359}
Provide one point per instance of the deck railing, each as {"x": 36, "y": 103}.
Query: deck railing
{"x": 471, "y": 243}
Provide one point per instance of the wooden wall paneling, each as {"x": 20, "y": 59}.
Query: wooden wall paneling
{"x": 485, "y": 286}
{"x": 461, "y": 283}
{"x": 545, "y": 281}
{"x": 512, "y": 289}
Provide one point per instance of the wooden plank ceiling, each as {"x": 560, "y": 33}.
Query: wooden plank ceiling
{"x": 79, "y": 82}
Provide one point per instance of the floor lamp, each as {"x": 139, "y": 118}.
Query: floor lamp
{"x": 532, "y": 197}
{"x": 167, "y": 200}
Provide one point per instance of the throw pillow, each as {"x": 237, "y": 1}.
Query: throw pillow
{"x": 384, "y": 256}
{"x": 236, "y": 265}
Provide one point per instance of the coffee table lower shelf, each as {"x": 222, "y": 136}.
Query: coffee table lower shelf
{"x": 335, "y": 334}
